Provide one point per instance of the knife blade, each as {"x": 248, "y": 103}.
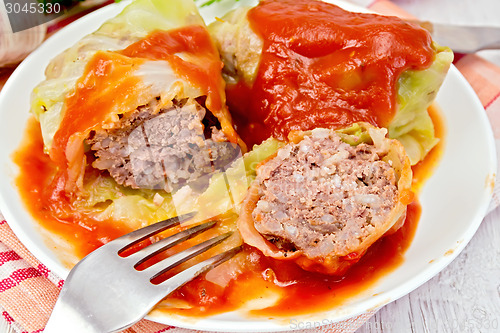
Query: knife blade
{"x": 461, "y": 38}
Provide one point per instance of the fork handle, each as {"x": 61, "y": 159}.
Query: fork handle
{"x": 64, "y": 319}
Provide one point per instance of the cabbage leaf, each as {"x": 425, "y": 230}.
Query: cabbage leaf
{"x": 417, "y": 89}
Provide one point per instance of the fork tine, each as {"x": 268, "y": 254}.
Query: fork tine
{"x": 192, "y": 272}
{"x": 141, "y": 234}
{"x": 165, "y": 265}
{"x": 168, "y": 242}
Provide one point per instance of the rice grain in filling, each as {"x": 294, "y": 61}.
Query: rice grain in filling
{"x": 324, "y": 196}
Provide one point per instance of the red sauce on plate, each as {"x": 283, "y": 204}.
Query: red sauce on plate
{"x": 322, "y": 66}
{"x": 46, "y": 200}
{"x": 423, "y": 169}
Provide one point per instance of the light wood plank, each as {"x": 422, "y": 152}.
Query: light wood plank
{"x": 464, "y": 297}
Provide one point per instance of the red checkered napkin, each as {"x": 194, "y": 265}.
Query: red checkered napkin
{"x": 28, "y": 290}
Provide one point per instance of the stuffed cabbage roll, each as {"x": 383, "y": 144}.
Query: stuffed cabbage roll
{"x": 140, "y": 99}
{"x": 328, "y": 195}
{"x": 296, "y": 65}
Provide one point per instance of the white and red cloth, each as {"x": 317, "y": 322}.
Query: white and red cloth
{"x": 28, "y": 290}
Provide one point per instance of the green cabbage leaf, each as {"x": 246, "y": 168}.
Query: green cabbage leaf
{"x": 412, "y": 125}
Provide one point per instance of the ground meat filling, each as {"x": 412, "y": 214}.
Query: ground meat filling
{"x": 324, "y": 196}
{"x": 157, "y": 148}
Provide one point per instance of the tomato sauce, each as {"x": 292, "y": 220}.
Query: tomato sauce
{"x": 423, "y": 169}
{"x": 108, "y": 86}
{"x": 105, "y": 83}
{"x": 322, "y": 66}
{"x": 44, "y": 196}
{"x": 204, "y": 73}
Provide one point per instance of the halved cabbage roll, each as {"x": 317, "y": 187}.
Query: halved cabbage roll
{"x": 296, "y": 65}
{"x": 141, "y": 98}
{"x": 325, "y": 197}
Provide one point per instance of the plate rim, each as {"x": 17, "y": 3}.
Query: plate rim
{"x": 215, "y": 325}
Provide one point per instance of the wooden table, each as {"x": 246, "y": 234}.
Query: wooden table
{"x": 465, "y": 296}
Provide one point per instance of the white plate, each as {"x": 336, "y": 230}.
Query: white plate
{"x": 454, "y": 200}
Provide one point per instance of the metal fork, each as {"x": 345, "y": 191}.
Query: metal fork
{"x": 105, "y": 292}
